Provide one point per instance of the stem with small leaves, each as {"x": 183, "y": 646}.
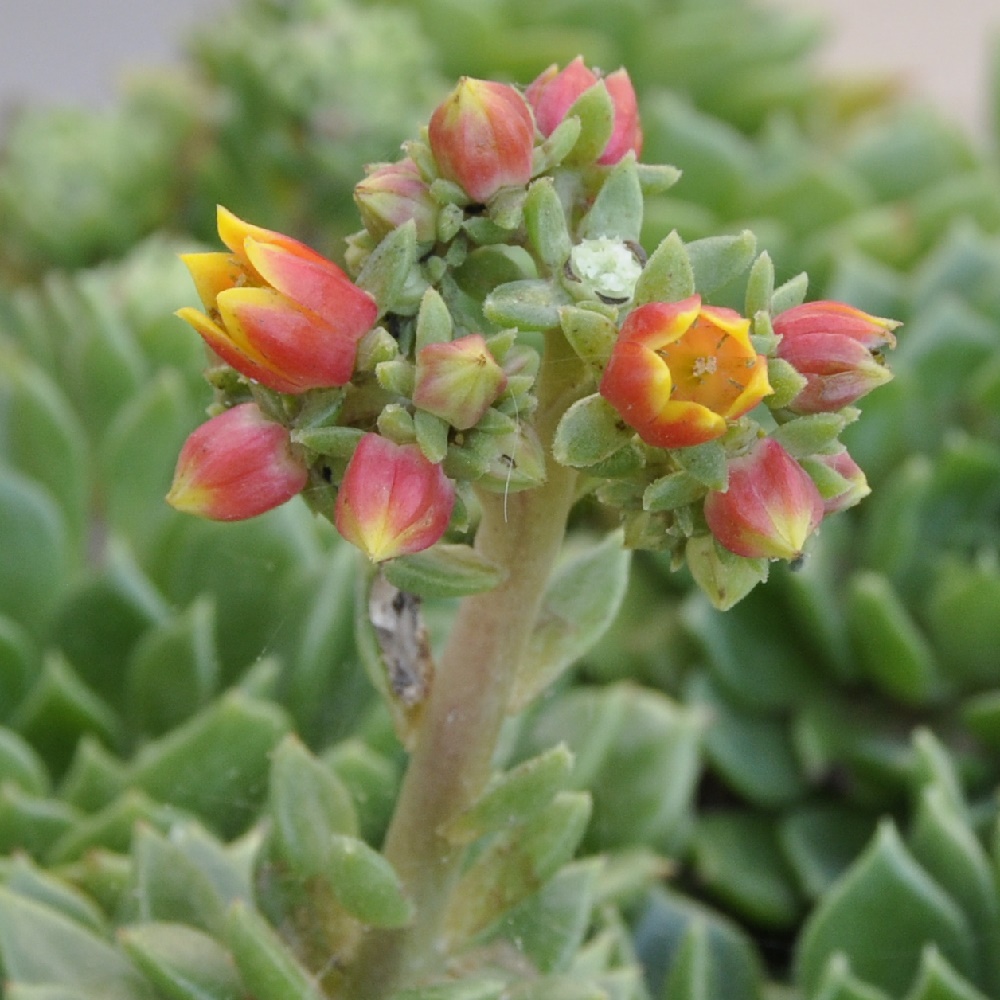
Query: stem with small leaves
{"x": 453, "y": 753}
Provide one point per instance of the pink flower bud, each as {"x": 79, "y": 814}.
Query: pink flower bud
{"x": 394, "y": 193}
{"x": 277, "y": 311}
{"x": 839, "y": 351}
{"x": 237, "y": 465}
{"x": 679, "y": 371}
{"x": 555, "y": 91}
{"x": 392, "y": 501}
{"x": 482, "y": 137}
{"x": 770, "y": 508}
{"x": 458, "y": 380}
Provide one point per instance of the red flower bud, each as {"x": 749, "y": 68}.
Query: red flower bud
{"x": 277, "y": 311}
{"x": 482, "y": 137}
{"x": 839, "y": 351}
{"x": 237, "y": 465}
{"x": 679, "y": 371}
{"x": 770, "y": 507}
{"x": 393, "y": 501}
{"x": 555, "y": 91}
{"x": 394, "y": 193}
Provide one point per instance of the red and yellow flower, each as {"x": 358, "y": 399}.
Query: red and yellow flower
{"x": 770, "y": 507}
{"x": 838, "y": 349}
{"x": 277, "y": 311}
{"x": 235, "y": 466}
{"x": 680, "y": 371}
{"x": 393, "y": 501}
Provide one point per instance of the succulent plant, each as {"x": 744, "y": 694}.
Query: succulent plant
{"x": 792, "y": 797}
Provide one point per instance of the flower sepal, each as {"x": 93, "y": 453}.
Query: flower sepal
{"x": 724, "y": 577}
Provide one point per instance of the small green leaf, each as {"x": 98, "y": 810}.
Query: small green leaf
{"x": 183, "y": 963}
{"x": 173, "y": 670}
{"x": 513, "y": 797}
{"x": 738, "y": 857}
{"x": 545, "y": 224}
{"x": 112, "y": 827}
{"x": 937, "y": 980}
{"x": 95, "y": 777}
{"x": 752, "y": 752}
{"x": 431, "y": 435}
{"x": 267, "y": 967}
{"x": 727, "y": 955}
{"x": 596, "y": 114}
{"x": 366, "y": 885}
{"x": 790, "y": 294}
{"x": 59, "y": 709}
{"x": 489, "y": 267}
{"x": 706, "y": 462}
{"x": 556, "y": 146}
{"x": 760, "y": 286}
{"x": 20, "y": 765}
{"x": 168, "y": 885}
{"x": 590, "y": 431}
{"x": 785, "y": 381}
{"x": 434, "y": 323}
{"x": 579, "y": 604}
{"x": 549, "y": 927}
{"x": 668, "y": 275}
{"x": 386, "y": 271}
{"x": 723, "y": 577}
{"x": 676, "y": 489}
{"x": 617, "y": 210}
{"x": 444, "y": 570}
{"x": 32, "y": 882}
{"x": 307, "y": 803}
{"x": 34, "y": 551}
{"x": 948, "y": 850}
{"x": 814, "y": 432}
{"x": 636, "y": 752}
{"x": 32, "y": 823}
{"x": 531, "y": 304}
{"x": 591, "y": 335}
{"x": 517, "y": 864}
{"x": 892, "y": 650}
{"x": 40, "y": 436}
{"x": 717, "y": 260}
{"x": 821, "y": 841}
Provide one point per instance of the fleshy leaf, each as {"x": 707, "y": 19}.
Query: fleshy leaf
{"x": 580, "y": 602}
{"x": 514, "y": 796}
{"x": 183, "y": 963}
{"x": 443, "y": 570}
{"x": 881, "y": 915}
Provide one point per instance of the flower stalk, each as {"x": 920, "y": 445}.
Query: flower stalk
{"x": 451, "y": 760}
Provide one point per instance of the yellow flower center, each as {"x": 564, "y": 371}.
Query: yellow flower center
{"x": 708, "y": 366}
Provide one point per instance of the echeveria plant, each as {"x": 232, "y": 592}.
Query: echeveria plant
{"x": 507, "y": 354}
{"x": 224, "y": 739}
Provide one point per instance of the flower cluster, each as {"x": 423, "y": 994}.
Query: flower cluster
{"x": 390, "y": 400}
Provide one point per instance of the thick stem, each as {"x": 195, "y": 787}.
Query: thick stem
{"x": 452, "y": 756}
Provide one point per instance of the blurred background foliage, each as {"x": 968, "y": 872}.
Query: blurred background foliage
{"x": 794, "y": 799}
